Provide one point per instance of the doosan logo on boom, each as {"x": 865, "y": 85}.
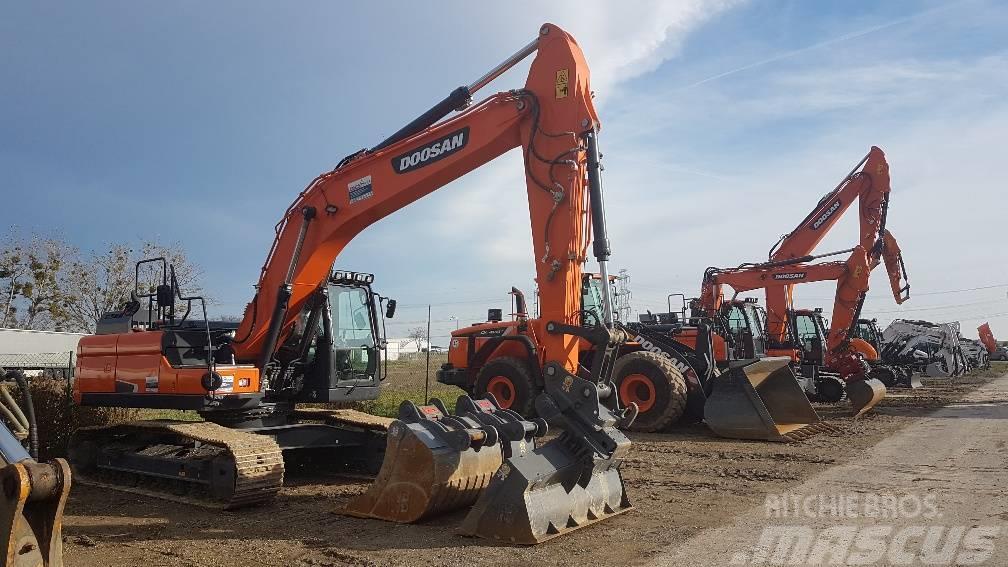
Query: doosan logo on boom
{"x": 431, "y": 152}
{"x": 825, "y": 216}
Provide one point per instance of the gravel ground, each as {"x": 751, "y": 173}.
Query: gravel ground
{"x": 682, "y": 484}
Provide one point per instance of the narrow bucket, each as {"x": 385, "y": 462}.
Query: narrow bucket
{"x": 545, "y": 493}
{"x": 434, "y": 463}
{"x": 761, "y": 400}
{"x": 864, "y": 394}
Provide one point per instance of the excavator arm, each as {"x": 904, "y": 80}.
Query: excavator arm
{"x": 552, "y": 119}
{"x": 868, "y": 183}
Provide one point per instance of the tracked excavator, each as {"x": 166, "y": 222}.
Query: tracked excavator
{"x": 309, "y": 335}
{"x": 32, "y": 494}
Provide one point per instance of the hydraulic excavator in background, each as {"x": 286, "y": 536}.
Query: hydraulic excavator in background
{"x": 33, "y": 494}
{"x": 868, "y": 183}
{"x": 995, "y": 351}
{"x": 310, "y": 335}
{"x": 667, "y": 370}
{"x": 843, "y": 356}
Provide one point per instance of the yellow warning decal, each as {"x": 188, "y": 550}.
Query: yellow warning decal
{"x": 561, "y": 83}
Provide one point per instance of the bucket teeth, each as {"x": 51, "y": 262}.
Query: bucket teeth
{"x": 523, "y": 494}
{"x": 546, "y": 493}
{"x": 434, "y": 463}
{"x": 761, "y": 400}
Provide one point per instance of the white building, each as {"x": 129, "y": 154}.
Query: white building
{"x": 37, "y": 349}
{"x": 398, "y": 347}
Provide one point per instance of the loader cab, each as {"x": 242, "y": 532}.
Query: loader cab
{"x": 591, "y": 300}
{"x": 746, "y": 323}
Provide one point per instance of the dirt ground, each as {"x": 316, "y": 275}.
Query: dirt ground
{"x": 680, "y": 483}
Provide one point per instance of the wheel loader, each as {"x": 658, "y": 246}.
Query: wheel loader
{"x": 673, "y": 370}
{"x": 310, "y": 335}
{"x": 32, "y": 494}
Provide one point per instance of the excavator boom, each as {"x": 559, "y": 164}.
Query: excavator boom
{"x": 251, "y": 377}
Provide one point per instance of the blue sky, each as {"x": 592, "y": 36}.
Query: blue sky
{"x": 723, "y": 123}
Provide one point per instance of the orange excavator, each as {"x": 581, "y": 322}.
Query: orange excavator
{"x": 310, "y": 334}
{"x": 868, "y": 183}
{"x": 841, "y": 352}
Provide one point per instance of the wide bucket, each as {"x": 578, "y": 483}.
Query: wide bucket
{"x": 864, "y": 394}
{"x": 761, "y": 400}
{"x": 426, "y": 471}
{"x": 545, "y": 493}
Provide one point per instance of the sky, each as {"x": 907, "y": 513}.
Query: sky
{"x": 723, "y": 123}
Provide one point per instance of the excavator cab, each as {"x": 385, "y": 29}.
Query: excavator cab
{"x": 341, "y": 341}
{"x": 808, "y": 331}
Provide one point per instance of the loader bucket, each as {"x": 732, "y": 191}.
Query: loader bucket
{"x": 434, "y": 462}
{"x": 864, "y": 394}
{"x": 761, "y": 400}
{"x": 546, "y": 493}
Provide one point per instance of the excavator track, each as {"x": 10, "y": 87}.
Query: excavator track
{"x": 255, "y": 462}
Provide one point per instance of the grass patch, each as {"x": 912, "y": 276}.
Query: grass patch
{"x": 405, "y": 381}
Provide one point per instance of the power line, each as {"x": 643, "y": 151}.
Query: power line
{"x": 916, "y": 294}
{"x": 939, "y": 307}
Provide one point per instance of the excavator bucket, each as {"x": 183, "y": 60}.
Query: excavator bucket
{"x": 864, "y": 394}
{"x": 761, "y": 400}
{"x": 434, "y": 462}
{"x": 546, "y": 493}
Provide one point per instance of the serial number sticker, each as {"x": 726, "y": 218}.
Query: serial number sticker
{"x": 360, "y": 189}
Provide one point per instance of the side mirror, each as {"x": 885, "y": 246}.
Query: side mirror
{"x": 390, "y": 309}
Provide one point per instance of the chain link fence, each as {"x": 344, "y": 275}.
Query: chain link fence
{"x": 48, "y": 364}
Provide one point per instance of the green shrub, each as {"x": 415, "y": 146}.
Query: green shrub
{"x": 59, "y": 418}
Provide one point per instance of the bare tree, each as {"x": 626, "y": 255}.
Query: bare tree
{"x": 29, "y": 282}
{"x": 419, "y": 336}
{"x": 102, "y": 281}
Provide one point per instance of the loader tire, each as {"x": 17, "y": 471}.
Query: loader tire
{"x": 655, "y": 385}
{"x": 511, "y": 383}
